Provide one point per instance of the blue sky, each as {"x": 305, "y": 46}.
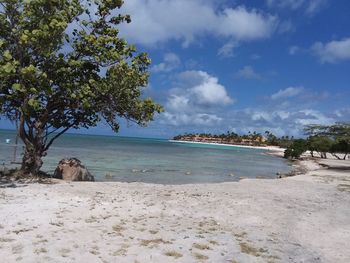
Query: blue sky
{"x": 241, "y": 65}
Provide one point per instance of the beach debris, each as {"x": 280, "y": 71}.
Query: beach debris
{"x": 72, "y": 170}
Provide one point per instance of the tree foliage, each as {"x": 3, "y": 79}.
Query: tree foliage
{"x": 296, "y": 149}
{"x": 329, "y": 138}
{"x": 63, "y": 66}
{"x": 319, "y": 143}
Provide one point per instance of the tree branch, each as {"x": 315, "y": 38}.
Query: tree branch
{"x": 55, "y": 137}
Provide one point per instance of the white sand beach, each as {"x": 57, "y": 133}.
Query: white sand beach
{"x": 305, "y": 218}
{"x": 267, "y": 147}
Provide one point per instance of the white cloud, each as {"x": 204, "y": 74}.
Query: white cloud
{"x": 209, "y": 91}
{"x": 310, "y": 7}
{"x": 158, "y": 21}
{"x": 184, "y": 115}
{"x": 255, "y": 56}
{"x": 277, "y": 121}
{"x": 343, "y": 114}
{"x": 292, "y": 4}
{"x": 179, "y": 103}
{"x": 293, "y": 50}
{"x": 202, "y": 89}
{"x": 333, "y": 51}
{"x": 195, "y": 119}
{"x": 247, "y": 72}
{"x": 286, "y": 26}
{"x": 315, "y": 6}
{"x": 313, "y": 117}
{"x": 287, "y": 93}
{"x": 170, "y": 62}
{"x": 195, "y": 100}
{"x": 245, "y": 25}
{"x": 227, "y": 49}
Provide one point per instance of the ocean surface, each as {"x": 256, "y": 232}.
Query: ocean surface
{"x": 126, "y": 159}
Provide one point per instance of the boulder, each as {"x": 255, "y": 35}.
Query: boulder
{"x": 72, "y": 170}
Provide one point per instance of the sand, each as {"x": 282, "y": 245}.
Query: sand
{"x": 267, "y": 147}
{"x": 305, "y": 218}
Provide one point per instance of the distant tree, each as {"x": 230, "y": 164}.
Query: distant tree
{"x": 339, "y": 133}
{"x": 296, "y": 149}
{"x": 341, "y": 145}
{"x": 63, "y": 66}
{"x": 320, "y": 144}
{"x": 271, "y": 139}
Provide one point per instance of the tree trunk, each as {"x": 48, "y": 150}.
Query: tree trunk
{"x": 31, "y": 162}
{"x": 34, "y": 146}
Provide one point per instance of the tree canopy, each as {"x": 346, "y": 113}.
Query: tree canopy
{"x": 63, "y": 65}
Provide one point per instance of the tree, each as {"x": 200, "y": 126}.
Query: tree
{"x": 342, "y": 145}
{"x": 339, "y": 133}
{"x": 63, "y": 66}
{"x": 320, "y": 144}
{"x": 296, "y": 149}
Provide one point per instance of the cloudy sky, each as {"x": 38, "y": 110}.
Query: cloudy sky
{"x": 257, "y": 65}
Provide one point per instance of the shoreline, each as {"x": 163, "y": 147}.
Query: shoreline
{"x": 299, "y": 218}
{"x": 268, "y": 148}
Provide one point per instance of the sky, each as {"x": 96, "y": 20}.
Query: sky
{"x": 239, "y": 66}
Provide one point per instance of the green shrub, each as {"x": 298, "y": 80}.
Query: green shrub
{"x": 296, "y": 149}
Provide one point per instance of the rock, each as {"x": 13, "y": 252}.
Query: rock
{"x": 72, "y": 170}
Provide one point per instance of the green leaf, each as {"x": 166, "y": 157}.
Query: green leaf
{"x": 17, "y": 87}
{"x": 7, "y": 55}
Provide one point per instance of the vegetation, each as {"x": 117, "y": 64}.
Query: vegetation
{"x": 229, "y": 137}
{"x": 322, "y": 139}
{"x": 252, "y": 138}
{"x": 63, "y": 66}
{"x": 296, "y": 149}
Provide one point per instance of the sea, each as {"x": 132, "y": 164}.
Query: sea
{"x": 160, "y": 161}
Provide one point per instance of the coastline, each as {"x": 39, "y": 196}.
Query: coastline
{"x": 268, "y": 148}
{"x": 300, "y": 218}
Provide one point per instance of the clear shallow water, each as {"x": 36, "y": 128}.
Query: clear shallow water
{"x": 154, "y": 160}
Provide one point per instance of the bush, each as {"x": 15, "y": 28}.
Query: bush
{"x": 296, "y": 149}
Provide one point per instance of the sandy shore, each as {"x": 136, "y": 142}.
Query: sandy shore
{"x": 268, "y": 148}
{"x": 305, "y": 218}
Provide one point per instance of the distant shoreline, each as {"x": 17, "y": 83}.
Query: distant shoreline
{"x": 269, "y": 148}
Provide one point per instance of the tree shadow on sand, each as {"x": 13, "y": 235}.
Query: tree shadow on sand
{"x": 14, "y": 179}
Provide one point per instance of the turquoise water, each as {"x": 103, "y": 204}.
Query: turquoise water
{"x": 154, "y": 160}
